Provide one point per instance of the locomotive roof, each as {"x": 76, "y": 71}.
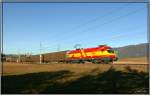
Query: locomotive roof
{"x": 101, "y": 47}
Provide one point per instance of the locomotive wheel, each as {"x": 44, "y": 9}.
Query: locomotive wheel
{"x": 81, "y": 62}
{"x": 93, "y": 61}
{"x": 100, "y": 61}
{"x": 106, "y": 61}
{"x": 96, "y": 61}
{"x": 111, "y": 62}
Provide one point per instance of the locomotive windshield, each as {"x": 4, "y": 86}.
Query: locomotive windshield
{"x": 110, "y": 51}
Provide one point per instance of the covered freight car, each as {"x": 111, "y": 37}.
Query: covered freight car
{"x": 46, "y": 58}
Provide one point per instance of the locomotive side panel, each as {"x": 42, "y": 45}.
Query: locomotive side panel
{"x": 99, "y": 53}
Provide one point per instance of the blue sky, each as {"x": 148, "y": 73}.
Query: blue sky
{"x": 62, "y": 25}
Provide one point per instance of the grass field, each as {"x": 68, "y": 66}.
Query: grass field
{"x": 139, "y": 60}
{"x": 74, "y": 78}
{"x": 18, "y": 68}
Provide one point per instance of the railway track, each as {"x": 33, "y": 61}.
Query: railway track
{"x": 114, "y": 63}
{"x": 121, "y": 63}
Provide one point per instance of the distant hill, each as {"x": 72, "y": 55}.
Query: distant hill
{"x": 130, "y": 51}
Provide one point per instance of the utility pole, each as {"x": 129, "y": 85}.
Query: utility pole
{"x": 40, "y": 53}
{"x": 58, "y": 48}
{"x": 18, "y": 57}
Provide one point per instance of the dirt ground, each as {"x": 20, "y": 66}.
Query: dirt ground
{"x": 56, "y": 78}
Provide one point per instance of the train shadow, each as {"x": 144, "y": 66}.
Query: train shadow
{"x": 111, "y": 81}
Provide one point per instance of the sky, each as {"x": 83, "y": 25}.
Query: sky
{"x": 60, "y": 26}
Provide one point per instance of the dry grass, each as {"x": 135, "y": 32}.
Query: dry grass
{"x": 139, "y": 60}
{"x": 16, "y": 68}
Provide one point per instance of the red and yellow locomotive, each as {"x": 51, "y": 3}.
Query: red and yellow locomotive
{"x": 100, "y": 54}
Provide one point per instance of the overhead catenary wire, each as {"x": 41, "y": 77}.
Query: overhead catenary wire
{"x": 101, "y": 25}
{"x": 48, "y": 48}
{"x": 93, "y": 20}
{"x": 118, "y": 33}
{"x": 108, "y": 22}
{"x": 125, "y": 37}
{"x": 100, "y": 17}
{"x": 119, "y": 36}
{"x": 74, "y": 29}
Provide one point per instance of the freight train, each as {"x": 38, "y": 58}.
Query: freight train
{"x": 100, "y": 54}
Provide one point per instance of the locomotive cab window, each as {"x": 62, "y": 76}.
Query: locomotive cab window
{"x": 110, "y": 51}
